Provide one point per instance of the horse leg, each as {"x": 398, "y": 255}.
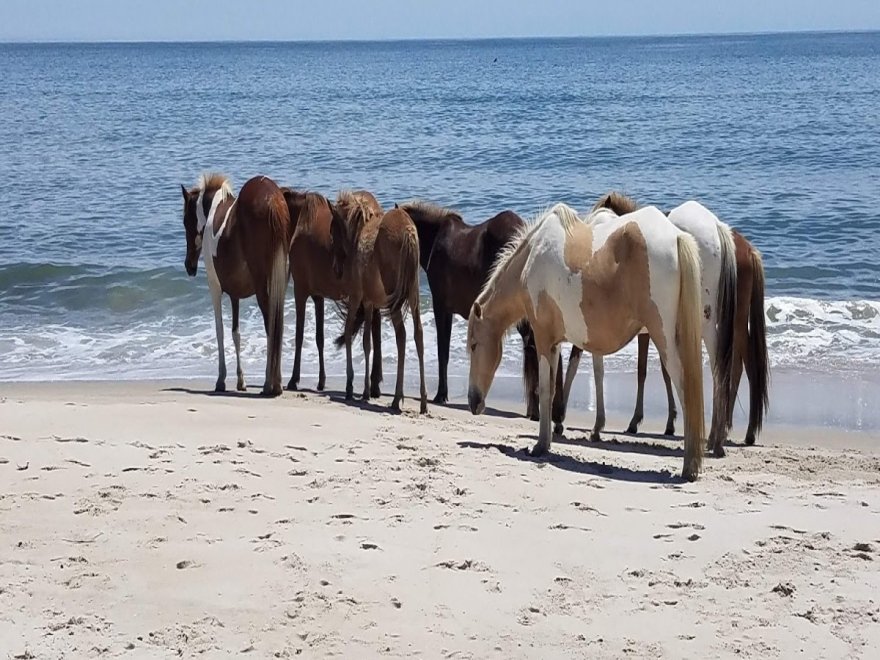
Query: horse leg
{"x": 443, "y": 320}
{"x": 547, "y": 365}
{"x": 560, "y": 402}
{"x": 217, "y": 301}
{"x": 319, "y": 340}
{"x": 735, "y": 379}
{"x": 670, "y": 401}
{"x": 420, "y": 350}
{"x": 530, "y": 374}
{"x": 301, "y": 299}
{"x": 348, "y": 332}
{"x": 376, "y": 375}
{"x": 641, "y": 375}
{"x": 263, "y": 303}
{"x": 400, "y": 336}
{"x": 599, "y": 380}
{"x": 368, "y": 337}
{"x": 717, "y": 431}
{"x": 236, "y": 339}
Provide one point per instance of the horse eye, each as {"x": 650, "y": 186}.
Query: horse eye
{"x": 473, "y": 347}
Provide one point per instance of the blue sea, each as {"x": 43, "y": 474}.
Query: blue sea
{"x": 778, "y": 134}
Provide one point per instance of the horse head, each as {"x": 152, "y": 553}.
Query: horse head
{"x": 484, "y": 341}
{"x": 190, "y": 226}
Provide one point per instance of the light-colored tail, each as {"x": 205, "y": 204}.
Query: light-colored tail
{"x": 725, "y": 314}
{"x": 758, "y": 362}
{"x": 406, "y": 289}
{"x": 688, "y": 336}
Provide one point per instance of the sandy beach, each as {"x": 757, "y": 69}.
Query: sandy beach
{"x": 153, "y": 520}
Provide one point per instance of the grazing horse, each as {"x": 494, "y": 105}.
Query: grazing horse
{"x": 313, "y": 276}
{"x": 377, "y": 257}
{"x": 596, "y": 284}
{"x": 244, "y": 242}
{"x": 719, "y": 282}
{"x": 457, "y": 259}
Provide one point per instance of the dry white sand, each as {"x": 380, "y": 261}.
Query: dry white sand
{"x": 141, "y": 522}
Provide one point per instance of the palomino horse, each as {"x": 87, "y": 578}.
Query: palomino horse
{"x": 377, "y": 257}
{"x": 596, "y": 285}
{"x": 313, "y": 277}
{"x": 244, "y": 241}
{"x": 719, "y": 281}
{"x": 457, "y": 259}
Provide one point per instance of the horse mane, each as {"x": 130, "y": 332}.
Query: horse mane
{"x": 356, "y": 213}
{"x": 433, "y": 213}
{"x": 210, "y": 182}
{"x": 617, "y": 202}
{"x": 308, "y": 203}
{"x": 568, "y": 217}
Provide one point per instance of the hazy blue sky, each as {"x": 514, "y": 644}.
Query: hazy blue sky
{"x": 100, "y": 20}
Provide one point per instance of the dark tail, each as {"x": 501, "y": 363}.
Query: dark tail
{"x": 725, "y": 312}
{"x": 530, "y": 368}
{"x": 339, "y": 342}
{"x": 758, "y": 363}
{"x": 406, "y": 289}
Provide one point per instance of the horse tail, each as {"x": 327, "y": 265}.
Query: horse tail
{"x": 406, "y": 289}
{"x": 279, "y": 226}
{"x": 339, "y": 342}
{"x": 758, "y": 364}
{"x": 530, "y": 365}
{"x": 688, "y": 338}
{"x": 725, "y": 314}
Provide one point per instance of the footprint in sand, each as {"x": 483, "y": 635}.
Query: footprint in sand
{"x": 186, "y": 563}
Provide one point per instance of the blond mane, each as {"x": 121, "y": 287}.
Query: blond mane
{"x": 356, "y": 212}
{"x": 567, "y": 216}
{"x": 214, "y": 181}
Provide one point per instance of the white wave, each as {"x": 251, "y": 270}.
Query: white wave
{"x": 805, "y": 333}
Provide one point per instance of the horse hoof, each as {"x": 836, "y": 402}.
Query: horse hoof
{"x": 750, "y": 440}
{"x": 440, "y": 399}
{"x": 321, "y": 385}
{"x": 534, "y": 417}
{"x": 291, "y": 386}
{"x": 688, "y": 475}
{"x": 669, "y": 432}
{"x": 539, "y": 449}
{"x": 558, "y": 428}
{"x": 241, "y": 387}
{"x": 375, "y": 392}
{"x": 220, "y": 387}
{"x": 365, "y": 396}
{"x": 271, "y": 392}
{"x": 595, "y": 436}
{"x": 395, "y": 405}
{"x": 423, "y": 409}
{"x": 719, "y": 450}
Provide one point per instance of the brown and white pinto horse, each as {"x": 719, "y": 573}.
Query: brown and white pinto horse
{"x": 596, "y": 284}
{"x": 377, "y": 256}
{"x": 457, "y": 259}
{"x": 244, "y": 242}
{"x": 311, "y": 266}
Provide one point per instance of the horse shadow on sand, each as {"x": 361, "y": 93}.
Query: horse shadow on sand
{"x": 611, "y": 442}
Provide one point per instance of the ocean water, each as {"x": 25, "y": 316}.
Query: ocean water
{"x": 778, "y": 134}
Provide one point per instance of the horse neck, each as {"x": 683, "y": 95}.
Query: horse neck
{"x": 429, "y": 229}
{"x": 504, "y": 300}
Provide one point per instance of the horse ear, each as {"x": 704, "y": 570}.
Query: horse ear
{"x": 396, "y": 206}
{"x": 184, "y": 191}
{"x": 478, "y": 311}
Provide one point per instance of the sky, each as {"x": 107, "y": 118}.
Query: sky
{"x": 209, "y": 20}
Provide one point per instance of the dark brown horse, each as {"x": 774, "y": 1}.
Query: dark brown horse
{"x": 313, "y": 277}
{"x": 457, "y": 259}
{"x": 377, "y": 256}
{"x": 245, "y": 242}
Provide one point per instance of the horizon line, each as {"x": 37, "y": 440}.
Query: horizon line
{"x": 645, "y": 35}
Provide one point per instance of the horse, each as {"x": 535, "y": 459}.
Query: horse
{"x": 313, "y": 277}
{"x": 377, "y": 257}
{"x": 244, "y": 241}
{"x": 595, "y": 284}
{"x": 719, "y": 284}
{"x": 457, "y": 259}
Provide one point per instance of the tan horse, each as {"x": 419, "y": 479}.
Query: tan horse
{"x": 244, "y": 242}
{"x": 596, "y": 284}
{"x": 311, "y": 267}
{"x": 377, "y": 256}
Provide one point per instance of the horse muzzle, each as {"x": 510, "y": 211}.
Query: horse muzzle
{"x": 476, "y": 401}
{"x": 191, "y": 269}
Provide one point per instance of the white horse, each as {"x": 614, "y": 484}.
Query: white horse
{"x": 718, "y": 292}
{"x": 595, "y": 285}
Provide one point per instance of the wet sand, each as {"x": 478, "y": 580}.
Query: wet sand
{"x": 150, "y": 519}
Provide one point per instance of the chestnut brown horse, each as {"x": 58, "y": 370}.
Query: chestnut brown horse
{"x": 244, "y": 242}
{"x": 311, "y": 268}
{"x": 377, "y": 257}
{"x": 457, "y": 259}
